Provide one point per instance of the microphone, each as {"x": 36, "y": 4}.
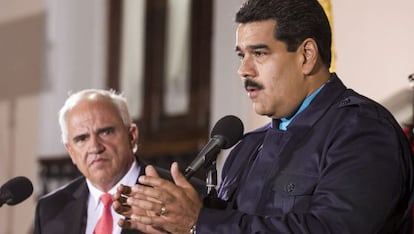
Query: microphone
{"x": 226, "y": 133}
{"x": 15, "y": 191}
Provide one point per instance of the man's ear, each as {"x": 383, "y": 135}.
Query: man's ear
{"x": 310, "y": 55}
{"x": 133, "y": 134}
{"x": 133, "y": 137}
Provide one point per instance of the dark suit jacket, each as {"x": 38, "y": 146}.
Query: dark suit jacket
{"x": 342, "y": 166}
{"x": 64, "y": 211}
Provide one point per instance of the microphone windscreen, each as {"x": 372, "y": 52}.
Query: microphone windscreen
{"x": 19, "y": 189}
{"x": 230, "y": 128}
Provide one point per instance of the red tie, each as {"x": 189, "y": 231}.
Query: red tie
{"x": 104, "y": 225}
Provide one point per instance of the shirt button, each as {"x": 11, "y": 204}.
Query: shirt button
{"x": 346, "y": 101}
{"x": 290, "y": 187}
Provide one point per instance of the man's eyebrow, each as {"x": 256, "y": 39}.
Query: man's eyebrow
{"x": 79, "y": 136}
{"x": 258, "y": 46}
{"x": 104, "y": 129}
{"x": 253, "y": 47}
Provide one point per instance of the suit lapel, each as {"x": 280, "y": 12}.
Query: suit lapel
{"x": 76, "y": 210}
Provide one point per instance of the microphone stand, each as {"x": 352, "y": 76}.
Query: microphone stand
{"x": 212, "y": 200}
{"x": 211, "y": 179}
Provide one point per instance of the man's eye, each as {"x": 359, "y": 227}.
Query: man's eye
{"x": 80, "y": 138}
{"x": 107, "y": 131}
{"x": 240, "y": 55}
{"x": 259, "y": 53}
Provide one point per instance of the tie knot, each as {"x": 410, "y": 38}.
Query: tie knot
{"x": 106, "y": 199}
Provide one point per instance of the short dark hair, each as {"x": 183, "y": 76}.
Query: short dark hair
{"x": 296, "y": 20}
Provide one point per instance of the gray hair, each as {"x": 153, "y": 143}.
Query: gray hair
{"x": 117, "y": 99}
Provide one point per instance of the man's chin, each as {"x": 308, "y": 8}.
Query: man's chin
{"x": 259, "y": 109}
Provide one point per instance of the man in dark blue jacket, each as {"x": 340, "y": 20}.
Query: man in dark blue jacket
{"x": 330, "y": 160}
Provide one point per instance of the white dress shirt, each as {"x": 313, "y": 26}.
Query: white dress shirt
{"x": 95, "y": 206}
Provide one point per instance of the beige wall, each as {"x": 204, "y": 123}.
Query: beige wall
{"x": 21, "y": 68}
{"x": 375, "y": 50}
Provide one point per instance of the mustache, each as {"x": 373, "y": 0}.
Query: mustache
{"x": 252, "y": 83}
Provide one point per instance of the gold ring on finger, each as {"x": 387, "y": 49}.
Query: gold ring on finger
{"x": 163, "y": 211}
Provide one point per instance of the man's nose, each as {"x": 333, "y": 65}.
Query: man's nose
{"x": 246, "y": 68}
{"x": 95, "y": 145}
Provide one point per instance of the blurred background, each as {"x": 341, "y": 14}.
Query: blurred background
{"x": 175, "y": 62}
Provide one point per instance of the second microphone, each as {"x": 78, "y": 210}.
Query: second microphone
{"x": 226, "y": 133}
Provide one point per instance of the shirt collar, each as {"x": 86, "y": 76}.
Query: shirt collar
{"x": 130, "y": 178}
{"x": 284, "y": 122}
